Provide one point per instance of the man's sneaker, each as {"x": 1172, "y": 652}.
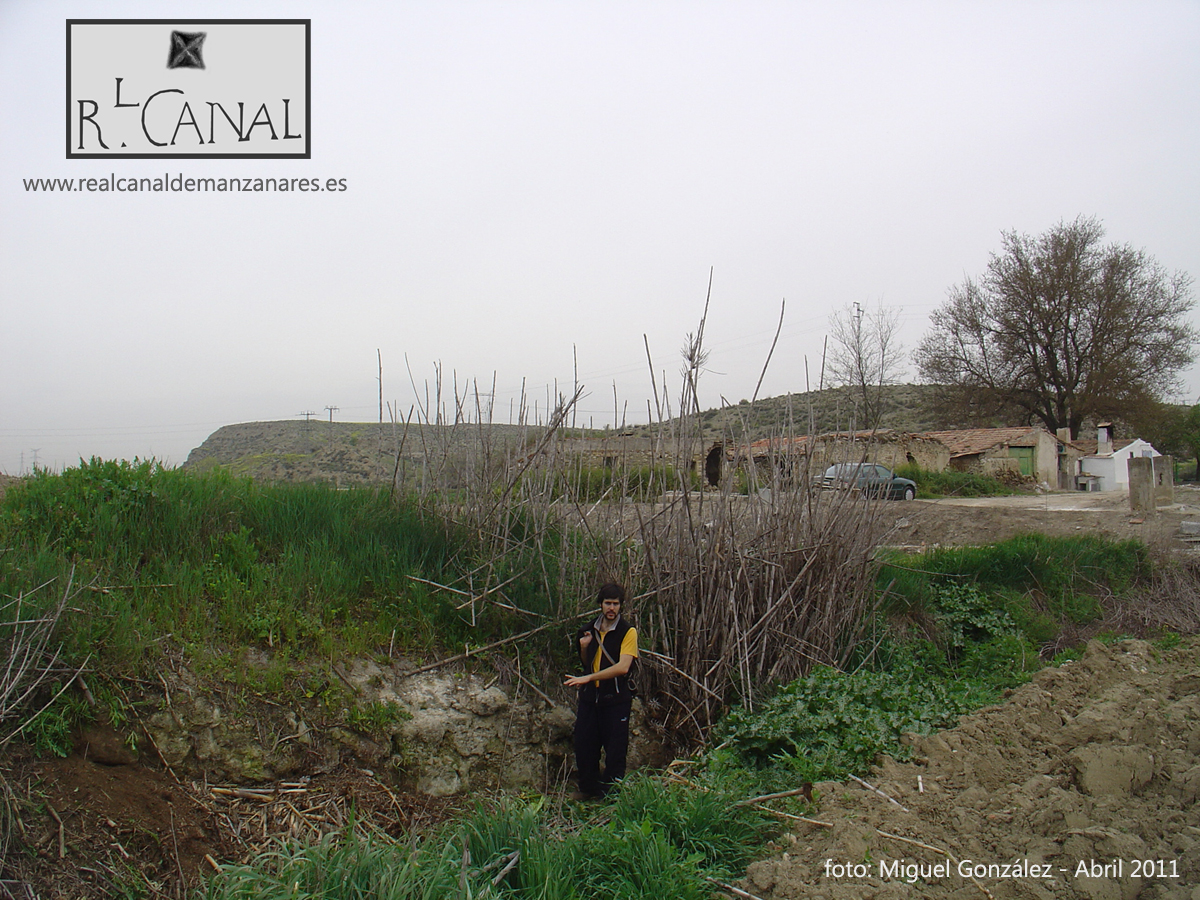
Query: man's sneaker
{"x": 584, "y": 796}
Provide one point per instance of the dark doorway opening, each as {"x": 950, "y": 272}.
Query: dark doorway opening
{"x": 712, "y": 465}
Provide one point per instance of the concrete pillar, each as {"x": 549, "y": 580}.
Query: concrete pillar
{"x": 1141, "y": 485}
{"x": 1164, "y": 480}
{"x": 1068, "y": 466}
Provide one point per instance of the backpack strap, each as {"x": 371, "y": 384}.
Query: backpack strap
{"x": 621, "y": 629}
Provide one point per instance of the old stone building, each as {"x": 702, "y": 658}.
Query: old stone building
{"x": 1029, "y": 451}
{"x": 789, "y": 459}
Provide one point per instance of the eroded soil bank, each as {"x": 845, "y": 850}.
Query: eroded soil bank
{"x": 1091, "y": 765}
{"x": 205, "y": 774}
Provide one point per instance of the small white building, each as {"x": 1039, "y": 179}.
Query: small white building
{"x": 1106, "y": 466}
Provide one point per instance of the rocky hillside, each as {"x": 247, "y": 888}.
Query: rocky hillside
{"x": 905, "y": 407}
{"x": 347, "y": 453}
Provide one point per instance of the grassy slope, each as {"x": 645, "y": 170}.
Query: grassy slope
{"x": 214, "y": 560}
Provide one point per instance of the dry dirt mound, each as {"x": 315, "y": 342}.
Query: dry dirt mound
{"x": 86, "y": 828}
{"x": 1083, "y": 784}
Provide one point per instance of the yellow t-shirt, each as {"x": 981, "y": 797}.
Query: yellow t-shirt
{"x": 628, "y": 645}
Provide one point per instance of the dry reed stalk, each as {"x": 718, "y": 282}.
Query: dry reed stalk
{"x": 1170, "y": 601}
{"x": 754, "y": 592}
{"x": 28, "y": 662}
{"x": 738, "y": 590}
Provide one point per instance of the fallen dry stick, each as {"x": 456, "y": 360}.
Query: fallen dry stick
{"x": 871, "y": 787}
{"x": 737, "y": 892}
{"x": 512, "y": 862}
{"x": 62, "y": 833}
{"x": 259, "y": 796}
{"x": 945, "y": 853}
{"x": 806, "y": 790}
{"x": 783, "y": 815}
{"x": 477, "y": 650}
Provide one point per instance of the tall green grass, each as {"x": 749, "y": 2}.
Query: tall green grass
{"x": 949, "y": 483}
{"x": 655, "y": 840}
{"x": 212, "y": 559}
{"x": 1061, "y": 577}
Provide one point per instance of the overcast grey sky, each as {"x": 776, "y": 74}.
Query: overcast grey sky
{"x": 528, "y": 183}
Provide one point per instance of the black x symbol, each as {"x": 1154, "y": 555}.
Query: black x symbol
{"x": 185, "y": 50}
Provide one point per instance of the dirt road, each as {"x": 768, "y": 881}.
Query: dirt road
{"x": 918, "y": 523}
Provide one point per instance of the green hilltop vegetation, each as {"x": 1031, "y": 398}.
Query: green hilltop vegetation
{"x": 904, "y": 407}
{"x": 345, "y": 453}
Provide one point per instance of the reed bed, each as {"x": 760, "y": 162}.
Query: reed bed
{"x": 744, "y": 573}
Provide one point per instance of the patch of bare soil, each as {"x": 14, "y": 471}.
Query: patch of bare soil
{"x": 918, "y": 524}
{"x": 1083, "y": 784}
{"x": 82, "y": 828}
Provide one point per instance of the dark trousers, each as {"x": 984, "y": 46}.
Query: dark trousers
{"x": 596, "y": 728}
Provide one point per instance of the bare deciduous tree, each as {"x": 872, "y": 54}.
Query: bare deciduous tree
{"x": 1061, "y": 328}
{"x": 866, "y": 355}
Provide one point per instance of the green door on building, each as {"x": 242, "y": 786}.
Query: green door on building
{"x": 1024, "y": 458}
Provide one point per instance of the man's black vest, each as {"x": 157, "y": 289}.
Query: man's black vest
{"x": 612, "y": 690}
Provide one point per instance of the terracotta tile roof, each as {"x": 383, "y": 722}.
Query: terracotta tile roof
{"x": 976, "y": 440}
{"x": 860, "y": 435}
{"x": 768, "y": 445}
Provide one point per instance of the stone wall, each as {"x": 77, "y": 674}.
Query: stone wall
{"x": 885, "y": 448}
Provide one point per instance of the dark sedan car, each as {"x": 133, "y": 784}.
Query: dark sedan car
{"x": 873, "y": 480}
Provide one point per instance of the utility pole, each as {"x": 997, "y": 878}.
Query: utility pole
{"x": 332, "y": 410}
{"x": 308, "y": 414}
{"x": 35, "y": 453}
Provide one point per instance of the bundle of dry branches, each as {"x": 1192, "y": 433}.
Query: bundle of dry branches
{"x": 1170, "y": 600}
{"x": 29, "y": 668}
{"x": 745, "y": 575}
{"x": 253, "y": 818}
{"x": 28, "y": 662}
{"x": 746, "y": 592}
